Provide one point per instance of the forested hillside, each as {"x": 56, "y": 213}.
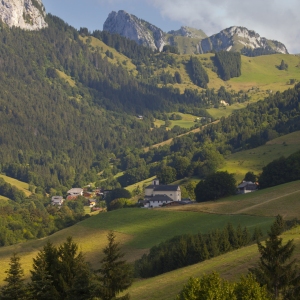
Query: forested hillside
{"x": 69, "y": 109}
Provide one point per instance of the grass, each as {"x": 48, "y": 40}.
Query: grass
{"x": 231, "y": 266}
{"x": 254, "y": 160}
{"x": 169, "y": 141}
{"x": 23, "y": 186}
{"x": 218, "y": 113}
{"x": 3, "y": 200}
{"x": 119, "y": 59}
{"x": 142, "y": 183}
{"x": 67, "y": 78}
{"x": 137, "y": 230}
{"x": 282, "y": 199}
{"x": 150, "y": 227}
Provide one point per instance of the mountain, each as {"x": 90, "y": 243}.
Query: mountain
{"x": 25, "y": 14}
{"x": 236, "y": 38}
{"x": 186, "y": 39}
{"x": 136, "y": 29}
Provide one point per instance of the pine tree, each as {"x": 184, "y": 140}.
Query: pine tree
{"x": 114, "y": 273}
{"x": 15, "y": 288}
{"x": 60, "y": 273}
{"x": 274, "y": 269}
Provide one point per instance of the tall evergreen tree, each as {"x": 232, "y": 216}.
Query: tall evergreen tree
{"x": 60, "y": 273}
{"x": 114, "y": 273}
{"x": 15, "y": 288}
{"x": 275, "y": 270}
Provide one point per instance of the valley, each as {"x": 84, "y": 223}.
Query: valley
{"x": 110, "y": 111}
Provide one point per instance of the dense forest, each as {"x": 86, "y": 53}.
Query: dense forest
{"x": 229, "y": 64}
{"x": 55, "y": 134}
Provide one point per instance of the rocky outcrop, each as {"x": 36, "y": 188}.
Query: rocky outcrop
{"x": 236, "y": 38}
{"x": 26, "y": 14}
{"x": 130, "y": 26}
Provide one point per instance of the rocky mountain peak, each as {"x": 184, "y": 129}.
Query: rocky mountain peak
{"x": 235, "y": 38}
{"x": 136, "y": 29}
{"x": 26, "y": 14}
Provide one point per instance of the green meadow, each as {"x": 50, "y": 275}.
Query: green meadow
{"x": 231, "y": 266}
{"x": 255, "y": 159}
{"x": 137, "y": 231}
{"x": 19, "y": 184}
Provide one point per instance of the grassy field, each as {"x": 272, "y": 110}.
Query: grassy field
{"x": 145, "y": 182}
{"x": 231, "y": 266}
{"x": 118, "y": 57}
{"x": 137, "y": 230}
{"x": 19, "y": 184}
{"x": 67, "y": 78}
{"x": 187, "y": 121}
{"x": 282, "y": 199}
{"x": 254, "y": 160}
{"x": 3, "y": 200}
{"x": 169, "y": 141}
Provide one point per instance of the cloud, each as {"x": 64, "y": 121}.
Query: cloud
{"x": 273, "y": 19}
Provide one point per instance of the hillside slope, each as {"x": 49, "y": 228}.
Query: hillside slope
{"x": 138, "y": 229}
{"x": 231, "y": 266}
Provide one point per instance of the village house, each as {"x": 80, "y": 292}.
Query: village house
{"x": 75, "y": 192}
{"x": 57, "y": 200}
{"x": 246, "y": 187}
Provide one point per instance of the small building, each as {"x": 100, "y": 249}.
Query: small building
{"x": 75, "y": 192}
{"x": 157, "y": 201}
{"x": 247, "y": 187}
{"x": 57, "y": 200}
{"x": 172, "y": 191}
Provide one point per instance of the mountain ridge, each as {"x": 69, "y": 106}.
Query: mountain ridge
{"x": 234, "y": 38}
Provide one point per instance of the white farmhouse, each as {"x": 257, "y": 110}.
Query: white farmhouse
{"x": 156, "y": 195}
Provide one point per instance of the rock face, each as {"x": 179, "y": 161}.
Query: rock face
{"x": 130, "y": 26}
{"x": 235, "y": 38}
{"x": 26, "y": 14}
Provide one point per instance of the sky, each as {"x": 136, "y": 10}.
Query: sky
{"x": 273, "y": 19}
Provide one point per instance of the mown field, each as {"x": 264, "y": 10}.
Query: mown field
{"x": 23, "y": 186}
{"x": 254, "y": 160}
{"x": 137, "y": 230}
{"x": 282, "y": 199}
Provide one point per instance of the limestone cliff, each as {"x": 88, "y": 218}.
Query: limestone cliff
{"x": 26, "y": 14}
{"x": 236, "y": 38}
{"x": 135, "y": 29}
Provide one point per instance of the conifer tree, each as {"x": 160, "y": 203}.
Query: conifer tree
{"x": 275, "y": 270}
{"x": 60, "y": 273}
{"x": 15, "y": 288}
{"x": 114, "y": 273}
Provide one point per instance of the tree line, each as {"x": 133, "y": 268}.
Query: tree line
{"x": 275, "y": 276}
{"x": 185, "y": 250}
